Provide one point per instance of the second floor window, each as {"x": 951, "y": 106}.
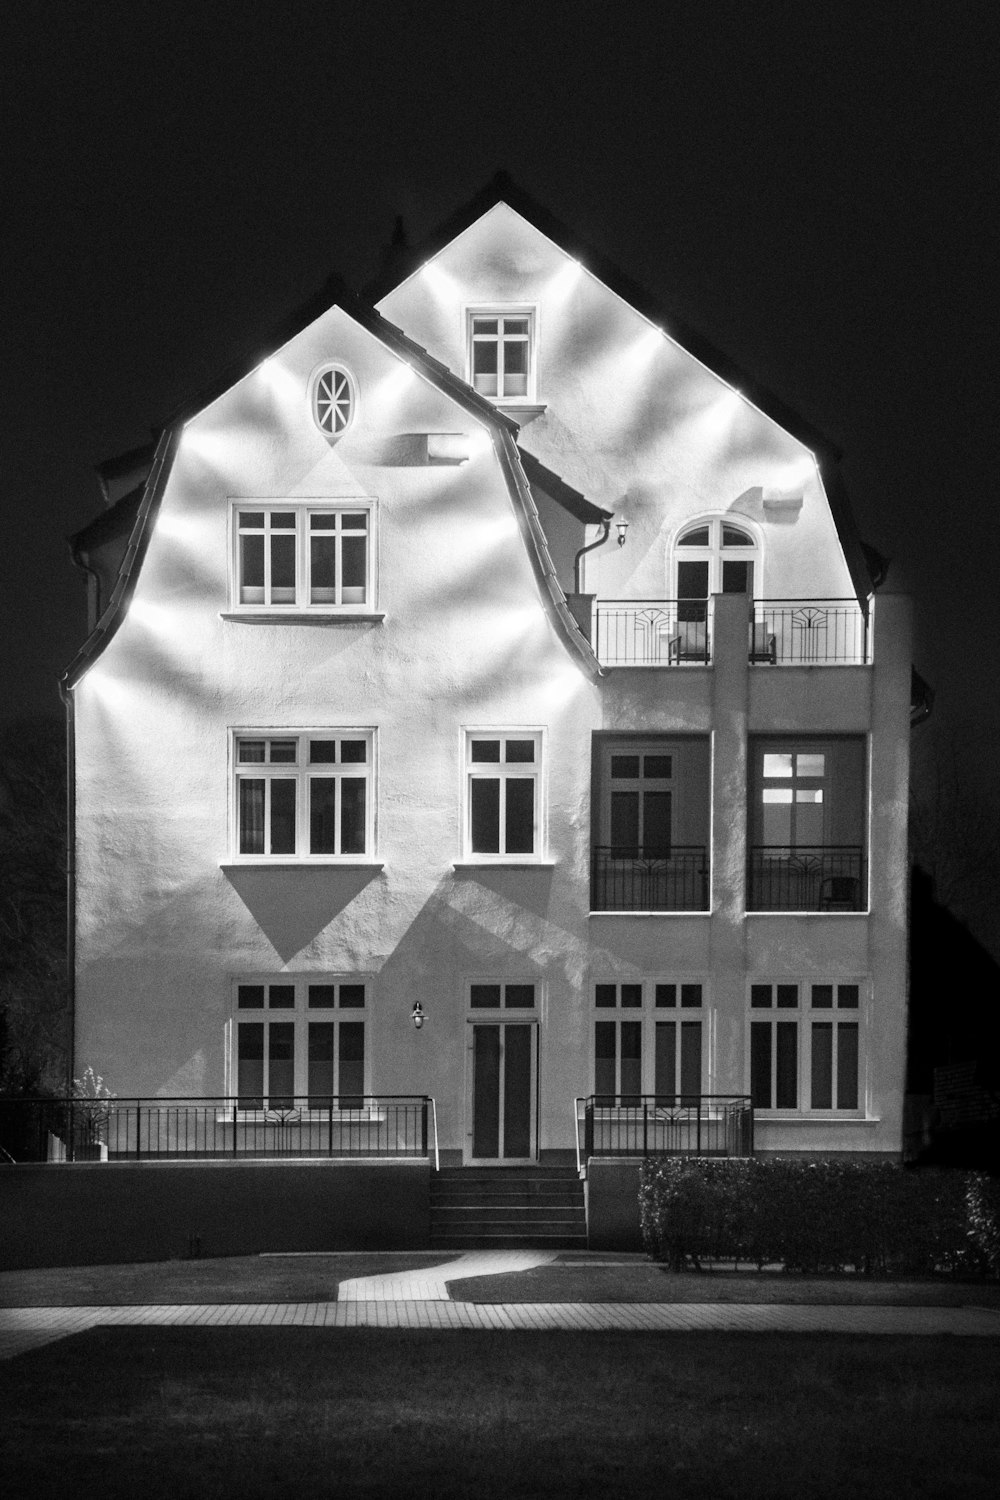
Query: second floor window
{"x": 304, "y": 796}
{"x": 501, "y": 354}
{"x": 316, "y": 558}
{"x": 502, "y": 794}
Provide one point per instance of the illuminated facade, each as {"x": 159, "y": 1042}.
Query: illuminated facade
{"x": 358, "y": 727}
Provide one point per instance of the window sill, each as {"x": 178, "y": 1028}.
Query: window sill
{"x": 302, "y": 616}
{"x": 521, "y": 408}
{"x": 810, "y": 914}
{"x": 813, "y": 1117}
{"x": 500, "y": 862}
{"x": 291, "y": 862}
{"x": 697, "y": 912}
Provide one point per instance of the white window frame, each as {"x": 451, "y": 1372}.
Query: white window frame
{"x": 499, "y": 312}
{"x": 303, "y": 773}
{"x": 503, "y": 771}
{"x": 299, "y": 1015}
{"x": 303, "y": 512}
{"x": 320, "y": 396}
{"x": 653, "y": 1009}
{"x": 805, "y": 1015}
{"x": 715, "y": 553}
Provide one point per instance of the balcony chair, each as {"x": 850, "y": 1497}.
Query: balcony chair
{"x": 763, "y": 644}
{"x": 840, "y": 893}
{"x": 689, "y": 643}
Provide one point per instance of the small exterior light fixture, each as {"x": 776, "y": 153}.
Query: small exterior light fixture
{"x": 417, "y": 1015}
{"x": 622, "y": 527}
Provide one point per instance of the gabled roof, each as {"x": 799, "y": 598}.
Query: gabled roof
{"x": 503, "y": 429}
{"x": 502, "y": 189}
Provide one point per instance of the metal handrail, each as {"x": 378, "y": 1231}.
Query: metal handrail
{"x": 674, "y": 1124}
{"x": 581, "y": 1170}
{"x": 434, "y": 1117}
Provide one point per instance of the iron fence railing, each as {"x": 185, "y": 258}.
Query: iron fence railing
{"x": 635, "y": 880}
{"x": 653, "y": 632}
{"x": 808, "y": 632}
{"x": 672, "y": 1124}
{"x": 827, "y": 877}
{"x": 73, "y": 1130}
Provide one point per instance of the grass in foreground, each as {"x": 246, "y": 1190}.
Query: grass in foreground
{"x": 173, "y": 1413}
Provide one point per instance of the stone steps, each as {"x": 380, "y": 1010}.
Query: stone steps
{"x": 476, "y": 1208}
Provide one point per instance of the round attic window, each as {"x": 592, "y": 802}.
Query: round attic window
{"x": 333, "y": 400}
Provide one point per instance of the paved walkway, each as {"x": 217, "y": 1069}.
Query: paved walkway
{"x": 419, "y": 1299}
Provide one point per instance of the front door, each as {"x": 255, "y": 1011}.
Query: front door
{"x": 503, "y": 1083}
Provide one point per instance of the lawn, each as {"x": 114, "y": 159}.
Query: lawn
{"x": 171, "y": 1413}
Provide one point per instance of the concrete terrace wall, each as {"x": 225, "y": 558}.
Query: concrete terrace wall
{"x": 105, "y": 1213}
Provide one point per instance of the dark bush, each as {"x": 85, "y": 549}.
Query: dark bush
{"x": 872, "y": 1218}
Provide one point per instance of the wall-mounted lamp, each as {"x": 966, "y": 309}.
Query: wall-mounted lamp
{"x": 417, "y": 1015}
{"x": 622, "y": 528}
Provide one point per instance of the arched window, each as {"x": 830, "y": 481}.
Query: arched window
{"x": 333, "y": 400}
{"x": 713, "y": 557}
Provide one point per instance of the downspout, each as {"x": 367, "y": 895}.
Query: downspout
{"x": 66, "y": 693}
{"x": 581, "y": 605}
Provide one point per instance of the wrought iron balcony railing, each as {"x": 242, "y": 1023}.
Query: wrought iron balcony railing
{"x": 653, "y": 632}
{"x": 782, "y": 632}
{"x": 73, "y": 1130}
{"x": 648, "y": 880}
{"x": 827, "y": 877}
{"x": 676, "y": 1124}
{"x": 808, "y": 632}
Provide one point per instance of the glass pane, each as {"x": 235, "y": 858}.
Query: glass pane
{"x": 283, "y": 520}
{"x": 696, "y": 538}
{"x": 847, "y": 1066}
{"x": 251, "y": 752}
{"x": 656, "y": 824}
{"x": 788, "y": 995}
{"x": 786, "y": 1080}
{"x": 250, "y": 1065}
{"x": 484, "y": 325}
{"x": 666, "y": 994}
{"x": 810, "y": 765}
{"x": 353, "y": 752}
{"x": 625, "y": 822}
{"x": 322, "y": 752}
{"x": 352, "y": 1064}
{"x": 515, "y": 326}
{"x": 657, "y": 767}
{"x": 631, "y": 995}
{"x": 320, "y": 1071}
{"x": 484, "y": 358}
{"x": 847, "y": 996}
{"x": 605, "y": 1052}
{"x": 665, "y": 1063}
{"x": 486, "y": 750}
{"x": 281, "y": 1064}
{"x": 251, "y": 569}
{"x": 520, "y": 751}
{"x": 352, "y": 996}
{"x": 777, "y": 796}
{"x": 282, "y": 752}
{"x": 822, "y": 996}
{"x": 692, "y": 580}
{"x": 486, "y": 1091}
{"x": 691, "y": 995}
{"x": 606, "y": 995}
{"x": 354, "y": 521}
{"x": 484, "y": 996}
{"x": 732, "y": 536}
{"x": 631, "y": 1061}
{"x": 352, "y": 815}
{"x": 760, "y": 1065}
{"x": 736, "y": 577}
{"x": 625, "y": 766}
{"x": 777, "y": 764}
{"x": 517, "y": 1090}
{"x": 250, "y": 996}
{"x": 520, "y": 808}
{"x": 486, "y": 385}
{"x": 519, "y": 996}
{"x": 321, "y": 996}
{"x": 760, "y": 995}
{"x": 690, "y": 1062}
{"x": 251, "y": 815}
{"x": 251, "y": 518}
{"x": 354, "y": 562}
{"x": 282, "y": 816}
{"x": 281, "y": 997}
{"x": 283, "y": 569}
{"x": 327, "y": 521}
{"x": 322, "y": 569}
{"x": 822, "y": 1065}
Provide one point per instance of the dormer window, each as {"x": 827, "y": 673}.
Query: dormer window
{"x": 333, "y": 400}
{"x": 501, "y": 353}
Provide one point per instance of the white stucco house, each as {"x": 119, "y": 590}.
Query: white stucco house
{"x": 491, "y": 656}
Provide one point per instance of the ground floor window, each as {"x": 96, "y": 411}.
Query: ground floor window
{"x": 648, "y": 1040}
{"x": 805, "y": 1046}
{"x": 299, "y": 1044}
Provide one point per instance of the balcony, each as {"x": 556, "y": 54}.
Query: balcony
{"x": 186, "y": 1129}
{"x": 677, "y": 1125}
{"x": 781, "y": 633}
{"x": 828, "y": 877}
{"x": 639, "y": 880}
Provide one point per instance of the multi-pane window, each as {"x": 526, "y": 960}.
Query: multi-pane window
{"x": 807, "y": 824}
{"x": 501, "y": 354}
{"x": 316, "y": 558}
{"x": 792, "y": 796}
{"x": 300, "y": 1045}
{"x": 502, "y": 779}
{"x": 304, "y": 795}
{"x": 640, "y": 793}
{"x": 713, "y": 557}
{"x": 805, "y": 1046}
{"x": 648, "y": 1040}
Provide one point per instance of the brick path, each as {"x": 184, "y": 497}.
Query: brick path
{"x": 419, "y": 1299}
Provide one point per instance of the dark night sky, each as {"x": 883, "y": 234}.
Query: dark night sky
{"x": 812, "y": 186}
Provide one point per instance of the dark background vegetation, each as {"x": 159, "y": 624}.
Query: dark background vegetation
{"x": 811, "y": 187}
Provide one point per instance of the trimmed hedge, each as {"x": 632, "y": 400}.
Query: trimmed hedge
{"x": 872, "y": 1218}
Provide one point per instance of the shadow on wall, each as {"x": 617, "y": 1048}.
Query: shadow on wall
{"x": 292, "y": 906}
